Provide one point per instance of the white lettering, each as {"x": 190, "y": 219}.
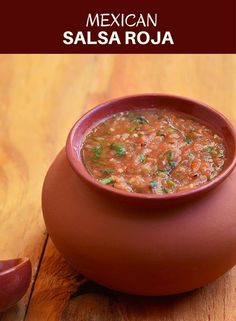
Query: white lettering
{"x": 68, "y": 35}
{"x": 115, "y": 19}
{"x": 91, "y": 21}
{"x": 130, "y": 36}
{"x": 167, "y": 37}
{"x": 150, "y": 19}
{"x": 105, "y": 20}
{"x": 79, "y": 38}
{"x": 146, "y": 36}
{"x": 102, "y": 38}
{"x": 127, "y": 18}
{"x": 158, "y": 40}
{"x": 141, "y": 21}
{"x": 114, "y": 38}
{"x": 89, "y": 39}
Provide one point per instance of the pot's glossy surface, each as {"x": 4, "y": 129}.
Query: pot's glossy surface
{"x": 140, "y": 244}
{"x": 15, "y": 276}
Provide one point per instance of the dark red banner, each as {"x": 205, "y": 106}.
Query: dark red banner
{"x": 119, "y": 27}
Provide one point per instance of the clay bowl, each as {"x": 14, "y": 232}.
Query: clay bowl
{"x": 139, "y": 243}
{"x": 15, "y": 276}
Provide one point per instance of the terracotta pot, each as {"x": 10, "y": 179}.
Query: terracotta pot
{"x": 15, "y": 276}
{"x": 138, "y": 243}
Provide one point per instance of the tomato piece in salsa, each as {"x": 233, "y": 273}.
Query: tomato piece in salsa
{"x": 154, "y": 151}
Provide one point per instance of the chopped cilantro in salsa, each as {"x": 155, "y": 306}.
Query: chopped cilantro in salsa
{"x": 120, "y": 150}
{"x": 153, "y": 151}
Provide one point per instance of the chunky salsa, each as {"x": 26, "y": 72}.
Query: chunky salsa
{"x": 154, "y": 151}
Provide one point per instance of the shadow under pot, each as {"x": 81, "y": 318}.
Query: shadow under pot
{"x": 145, "y": 244}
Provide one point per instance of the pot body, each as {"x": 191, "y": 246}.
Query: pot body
{"x": 134, "y": 248}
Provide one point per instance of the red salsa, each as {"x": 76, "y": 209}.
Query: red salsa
{"x": 153, "y": 151}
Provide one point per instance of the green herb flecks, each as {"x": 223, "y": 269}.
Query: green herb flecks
{"x": 170, "y": 183}
{"x": 132, "y": 129}
{"x": 104, "y": 123}
{"x": 188, "y": 140}
{"x": 142, "y": 158}
{"x": 107, "y": 171}
{"x": 164, "y": 190}
{"x": 119, "y": 149}
{"x": 170, "y": 159}
{"x": 221, "y": 153}
{"x": 190, "y": 155}
{"x": 160, "y": 133}
{"x": 107, "y": 180}
{"x": 171, "y": 164}
{"x": 170, "y": 156}
{"x": 211, "y": 150}
{"x": 172, "y": 130}
{"x": 153, "y": 184}
{"x": 161, "y": 173}
{"x": 97, "y": 151}
{"x": 211, "y": 177}
{"x": 140, "y": 119}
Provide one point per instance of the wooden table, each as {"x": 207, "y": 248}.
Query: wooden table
{"x": 41, "y": 96}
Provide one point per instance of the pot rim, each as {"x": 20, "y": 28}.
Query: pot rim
{"x": 16, "y": 264}
{"x": 77, "y": 164}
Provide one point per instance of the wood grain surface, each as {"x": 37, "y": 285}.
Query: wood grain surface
{"x": 41, "y": 96}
